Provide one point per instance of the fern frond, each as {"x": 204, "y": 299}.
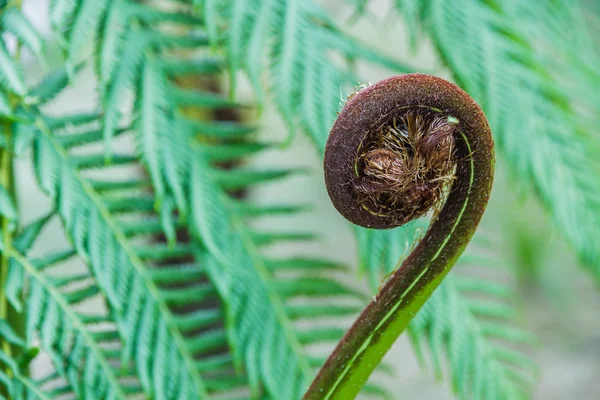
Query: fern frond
{"x": 276, "y": 297}
{"x": 69, "y": 341}
{"x": 179, "y": 144}
{"x": 494, "y": 49}
{"x": 475, "y": 338}
{"x": 468, "y": 322}
{"x": 297, "y": 36}
{"x": 14, "y": 379}
{"x": 54, "y": 304}
{"x": 167, "y": 345}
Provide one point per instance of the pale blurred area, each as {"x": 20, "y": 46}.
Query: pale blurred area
{"x": 558, "y": 301}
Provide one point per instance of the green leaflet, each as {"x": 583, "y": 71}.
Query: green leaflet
{"x": 51, "y": 86}
{"x": 83, "y": 18}
{"x": 14, "y": 21}
{"x": 7, "y": 208}
{"x": 11, "y": 73}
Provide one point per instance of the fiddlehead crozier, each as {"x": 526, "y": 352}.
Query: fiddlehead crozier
{"x": 398, "y": 149}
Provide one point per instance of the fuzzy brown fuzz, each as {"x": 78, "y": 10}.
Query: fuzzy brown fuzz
{"x": 405, "y": 165}
{"x": 375, "y": 107}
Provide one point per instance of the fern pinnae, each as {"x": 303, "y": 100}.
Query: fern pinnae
{"x": 509, "y": 57}
{"x": 206, "y": 195}
{"x": 110, "y": 382}
{"x": 15, "y": 22}
{"x": 244, "y": 276}
{"x": 241, "y": 22}
{"x": 152, "y": 122}
{"x": 285, "y": 55}
{"x": 61, "y": 13}
{"x": 104, "y": 224}
{"x": 53, "y": 314}
{"x": 135, "y": 45}
{"x": 280, "y": 29}
{"x": 110, "y": 41}
{"x": 87, "y": 18}
{"x": 11, "y": 72}
{"x": 257, "y": 42}
{"x": 16, "y": 382}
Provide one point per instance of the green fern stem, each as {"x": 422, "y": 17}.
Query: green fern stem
{"x": 6, "y": 180}
{"x": 447, "y": 109}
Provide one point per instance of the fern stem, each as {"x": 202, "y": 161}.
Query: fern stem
{"x": 7, "y": 181}
{"x": 386, "y": 317}
{"x": 6, "y": 178}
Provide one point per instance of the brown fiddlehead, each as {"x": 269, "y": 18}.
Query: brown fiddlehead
{"x": 398, "y": 149}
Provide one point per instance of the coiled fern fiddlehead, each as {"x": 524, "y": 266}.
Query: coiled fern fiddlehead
{"x": 397, "y": 149}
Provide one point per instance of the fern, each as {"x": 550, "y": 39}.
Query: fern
{"x": 193, "y": 304}
{"x": 14, "y": 381}
{"x": 507, "y": 53}
{"x": 467, "y": 336}
{"x": 64, "y": 333}
{"x": 178, "y": 146}
{"x": 273, "y": 353}
{"x": 100, "y": 219}
{"x": 297, "y": 37}
{"x": 379, "y": 250}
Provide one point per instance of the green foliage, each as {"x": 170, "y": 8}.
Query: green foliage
{"x": 13, "y": 380}
{"x": 193, "y": 304}
{"x": 465, "y": 330}
{"x": 167, "y": 346}
{"x": 517, "y": 66}
{"x": 14, "y": 22}
{"x": 297, "y": 38}
{"x": 68, "y": 336}
{"x": 262, "y": 307}
{"x": 173, "y": 140}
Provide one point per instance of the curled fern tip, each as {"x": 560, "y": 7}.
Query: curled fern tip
{"x": 397, "y": 150}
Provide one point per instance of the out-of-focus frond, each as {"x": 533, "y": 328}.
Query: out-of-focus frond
{"x": 519, "y": 60}
{"x": 293, "y": 40}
